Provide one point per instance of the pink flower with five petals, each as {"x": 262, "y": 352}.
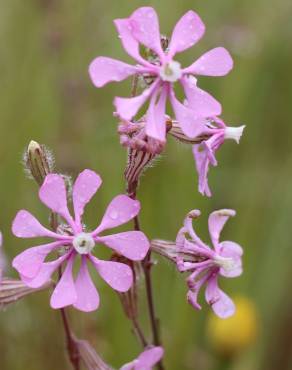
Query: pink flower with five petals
{"x": 76, "y": 242}
{"x": 207, "y": 264}
{"x": 142, "y": 27}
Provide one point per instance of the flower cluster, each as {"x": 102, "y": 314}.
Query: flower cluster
{"x": 73, "y": 241}
{"x": 72, "y": 246}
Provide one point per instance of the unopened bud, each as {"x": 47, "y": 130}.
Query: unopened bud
{"x": 38, "y": 161}
{"x": 129, "y": 299}
{"x": 89, "y": 357}
{"x": 178, "y": 134}
{"x": 138, "y": 161}
{"x": 12, "y": 291}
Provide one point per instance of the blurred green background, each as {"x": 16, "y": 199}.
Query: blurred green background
{"x": 46, "y": 95}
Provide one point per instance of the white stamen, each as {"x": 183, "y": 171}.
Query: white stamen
{"x": 171, "y": 71}
{"x": 227, "y": 263}
{"x": 83, "y": 243}
{"x": 234, "y": 133}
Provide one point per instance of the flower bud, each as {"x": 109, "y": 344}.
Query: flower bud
{"x": 12, "y": 291}
{"x": 90, "y": 358}
{"x": 129, "y": 299}
{"x": 38, "y": 161}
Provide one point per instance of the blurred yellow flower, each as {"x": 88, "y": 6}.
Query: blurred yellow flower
{"x": 232, "y": 335}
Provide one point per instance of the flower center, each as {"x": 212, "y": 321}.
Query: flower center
{"x": 234, "y": 133}
{"x": 83, "y": 243}
{"x": 227, "y": 263}
{"x": 171, "y": 71}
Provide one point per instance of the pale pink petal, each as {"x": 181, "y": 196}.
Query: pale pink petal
{"x": 29, "y": 262}
{"x": 130, "y": 44}
{"x": 216, "y": 223}
{"x": 103, "y": 70}
{"x": 127, "y": 108}
{"x": 187, "y": 32}
{"x": 85, "y": 186}
{"x": 118, "y": 275}
{"x": 190, "y": 123}
{"x": 25, "y": 225}
{"x": 65, "y": 292}
{"x": 131, "y": 244}
{"x": 202, "y": 103}
{"x": 129, "y": 366}
{"x": 202, "y": 165}
{"x": 54, "y": 195}
{"x": 155, "y": 123}
{"x": 44, "y": 274}
{"x": 192, "y": 298}
{"x": 87, "y": 295}
{"x": 216, "y": 62}
{"x": 149, "y": 358}
{"x": 121, "y": 210}
{"x": 232, "y": 250}
{"x": 221, "y": 304}
{"x": 145, "y": 28}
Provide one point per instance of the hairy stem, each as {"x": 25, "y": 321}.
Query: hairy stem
{"x": 138, "y": 331}
{"x": 147, "y": 264}
{"x": 72, "y": 348}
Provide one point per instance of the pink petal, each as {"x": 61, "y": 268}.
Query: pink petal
{"x": 145, "y": 28}
{"x": 129, "y": 366}
{"x": 130, "y": 44}
{"x": 85, "y": 186}
{"x": 127, "y": 108}
{"x": 29, "y": 262}
{"x": 121, "y": 210}
{"x": 87, "y": 295}
{"x": 155, "y": 124}
{"x": 131, "y": 244}
{"x": 149, "y": 358}
{"x": 216, "y": 62}
{"x": 192, "y": 298}
{"x": 221, "y": 304}
{"x": 191, "y": 124}
{"x": 103, "y": 70}
{"x": 44, "y": 274}
{"x": 231, "y": 250}
{"x": 118, "y": 275}
{"x": 54, "y": 195}
{"x": 25, "y": 225}
{"x": 187, "y": 32}
{"x": 202, "y": 165}
{"x": 65, "y": 293}
{"x": 216, "y": 223}
{"x": 202, "y": 103}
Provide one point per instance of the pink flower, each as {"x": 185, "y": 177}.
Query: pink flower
{"x": 204, "y": 153}
{"x": 146, "y": 360}
{"x": 206, "y": 264}
{"x": 75, "y": 242}
{"x": 142, "y": 27}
